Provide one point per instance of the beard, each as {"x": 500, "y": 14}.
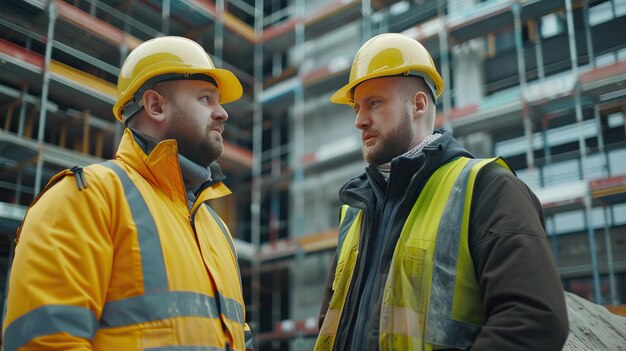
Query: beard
{"x": 203, "y": 152}
{"x": 198, "y": 147}
{"x": 393, "y": 144}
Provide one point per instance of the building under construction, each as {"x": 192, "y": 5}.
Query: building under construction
{"x": 540, "y": 82}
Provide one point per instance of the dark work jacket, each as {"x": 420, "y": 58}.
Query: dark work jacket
{"x": 516, "y": 273}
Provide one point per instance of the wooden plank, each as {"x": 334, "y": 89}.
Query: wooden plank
{"x": 90, "y": 24}
{"x": 28, "y": 128}
{"x": 63, "y": 135}
{"x": 99, "y": 143}
{"x": 593, "y": 327}
{"x": 90, "y": 81}
{"x": 9, "y": 116}
{"x": 21, "y": 53}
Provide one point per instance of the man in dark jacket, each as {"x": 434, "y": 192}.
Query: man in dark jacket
{"x": 437, "y": 250}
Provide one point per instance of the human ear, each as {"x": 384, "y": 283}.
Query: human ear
{"x": 420, "y": 103}
{"x": 153, "y": 105}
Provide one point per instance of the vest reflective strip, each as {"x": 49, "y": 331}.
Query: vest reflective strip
{"x": 163, "y": 305}
{"x": 441, "y": 329}
{"x": 331, "y": 322}
{"x": 344, "y": 227}
{"x": 230, "y": 308}
{"x": 152, "y": 262}
{"x": 47, "y": 320}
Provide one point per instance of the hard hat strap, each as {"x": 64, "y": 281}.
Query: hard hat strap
{"x": 135, "y": 105}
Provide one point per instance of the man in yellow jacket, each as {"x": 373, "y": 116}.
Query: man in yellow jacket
{"x": 437, "y": 250}
{"x": 126, "y": 254}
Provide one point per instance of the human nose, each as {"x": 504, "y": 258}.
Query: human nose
{"x": 362, "y": 120}
{"x": 220, "y": 114}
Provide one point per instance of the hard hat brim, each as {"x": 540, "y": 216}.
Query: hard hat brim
{"x": 344, "y": 94}
{"x": 228, "y": 85}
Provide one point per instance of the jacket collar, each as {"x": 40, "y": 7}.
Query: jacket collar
{"x": 159, "y": 164}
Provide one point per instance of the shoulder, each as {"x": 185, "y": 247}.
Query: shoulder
{"x": 70, "y": 200}
{"x": 502, "y": 203}
{"x": 493, "y": 179}
{"x": 79, "y": 184}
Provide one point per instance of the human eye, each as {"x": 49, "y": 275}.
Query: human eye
{"x": 206, "y": 98}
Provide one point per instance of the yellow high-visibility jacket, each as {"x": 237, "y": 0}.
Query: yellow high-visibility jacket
{"x": 123, "y": 264}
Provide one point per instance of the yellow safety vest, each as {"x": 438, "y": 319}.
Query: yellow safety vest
{"x": 431, "y": 299}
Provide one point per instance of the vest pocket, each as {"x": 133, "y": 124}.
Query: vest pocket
{"x": 412, "y": 279}
{"x": 405, "y": 300}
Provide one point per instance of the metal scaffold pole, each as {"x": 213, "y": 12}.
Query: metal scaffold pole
{"x": 219, "y": 33}
{"x": 44, "y": 94}
{"x": 165, "y": 17}
{"x": 298, "y": 121}
{"x": 541, "y": 73}
{"x": 20, "y": 132}
{"x": 608, "y": 243}
{"x": 366, "y": 15}
{"x": 445, "y": 64}
{"x": 588, "y": 38}
{"x": 257, "y": 151}
{"x": 583, "y": 152}
{"x": 521, "y": 69}
{"x": 600, "y": 138}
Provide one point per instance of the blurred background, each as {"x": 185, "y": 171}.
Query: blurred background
{"x": 542, "y": 83}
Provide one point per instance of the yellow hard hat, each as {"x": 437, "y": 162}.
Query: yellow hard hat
{"x": 174, "y": 58}
{"x": 390, "y": 54}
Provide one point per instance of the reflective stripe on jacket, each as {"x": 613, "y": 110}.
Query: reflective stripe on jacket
{"x": 124, "y": 264}
{"x": 431, "y": 299}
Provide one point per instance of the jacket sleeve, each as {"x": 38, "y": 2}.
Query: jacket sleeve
{"x": 515, "y": 269}
{"x": 61, "y": 270}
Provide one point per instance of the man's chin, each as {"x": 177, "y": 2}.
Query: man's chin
{"x": 375, "y": 159}
{"x": 369, "y": 157}
{"x": 216, "y": 151}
